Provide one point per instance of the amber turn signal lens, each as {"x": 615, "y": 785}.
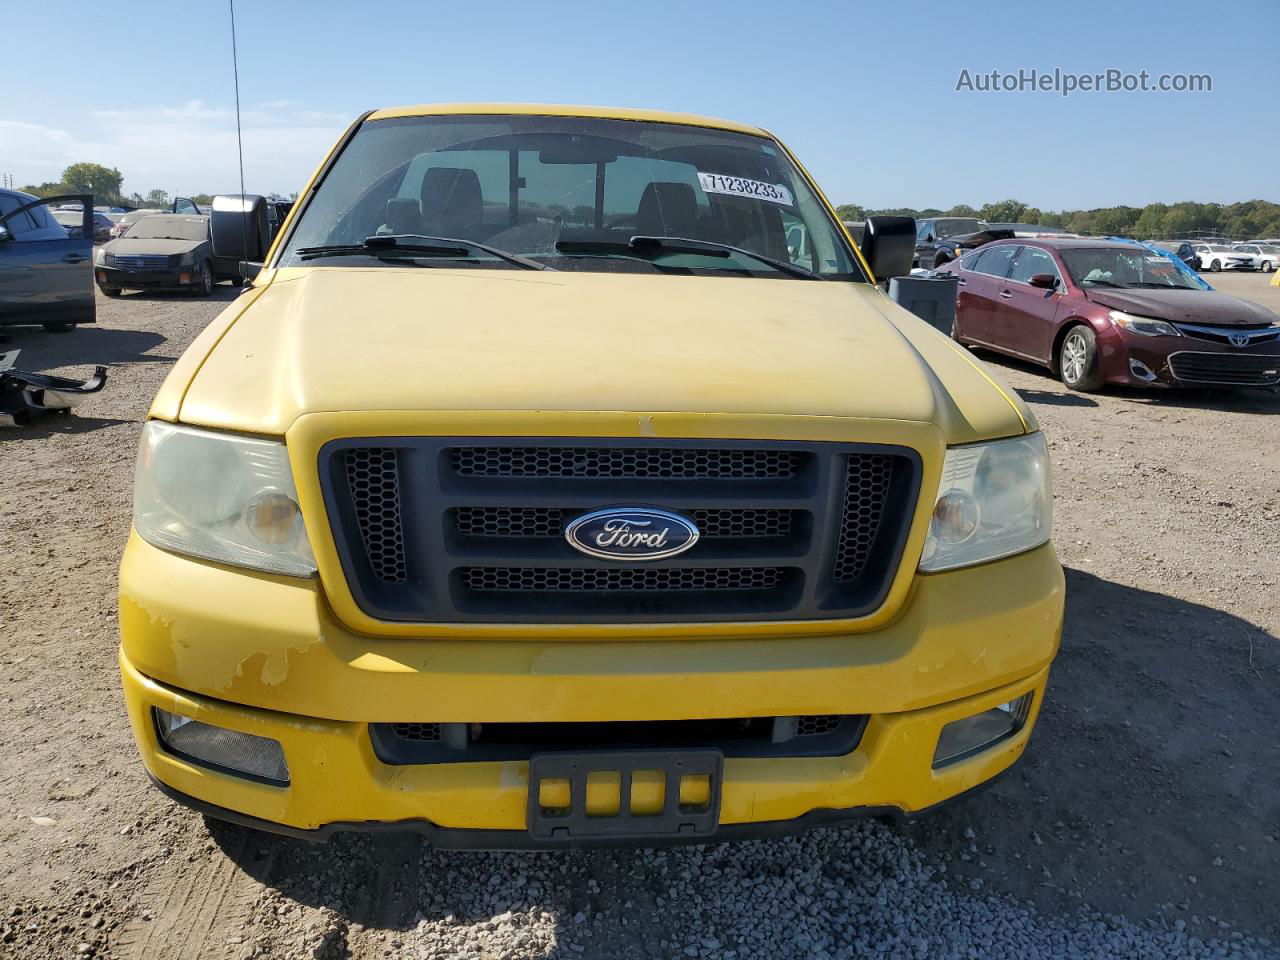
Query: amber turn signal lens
{"x": 273, "y": 518}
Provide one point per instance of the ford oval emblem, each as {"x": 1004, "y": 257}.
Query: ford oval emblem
{"x": 631, "y": 533}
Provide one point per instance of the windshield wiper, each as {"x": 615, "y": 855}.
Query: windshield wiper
{"x": 642, "y": 246}
{"x": 418, "y": 243}
{"x": 1104, "y": 283}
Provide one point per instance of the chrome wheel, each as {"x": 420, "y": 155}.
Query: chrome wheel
{"x": 1074, "y": 354}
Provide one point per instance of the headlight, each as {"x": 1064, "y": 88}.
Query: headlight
{"x": 100, "y": 255}
{"x": 1144, "y": 326}
{"x": 994, "y": 500}
{"x": 187, "y": 259}
{"x": 220, "y": 497}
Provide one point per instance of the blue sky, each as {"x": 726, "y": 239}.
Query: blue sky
{"x": 863, "y": 92}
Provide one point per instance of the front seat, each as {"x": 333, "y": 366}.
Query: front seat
{"x": 667, "y": 209}
{"x": 452, "y": 204}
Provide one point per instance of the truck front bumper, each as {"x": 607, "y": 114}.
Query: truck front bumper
{"x": 263, "y": 655}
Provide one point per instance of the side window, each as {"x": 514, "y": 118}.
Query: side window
{"x": 1030, "y": 261}
{"x": 995, "y": 261}
{"x": 34, "y": 224}
{"x": 925, "y": 230}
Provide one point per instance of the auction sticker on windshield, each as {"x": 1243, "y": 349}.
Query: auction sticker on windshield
{"x": 742, "y": 187}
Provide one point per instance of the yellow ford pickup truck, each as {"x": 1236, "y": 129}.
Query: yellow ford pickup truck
{"x": 563, "y": 478}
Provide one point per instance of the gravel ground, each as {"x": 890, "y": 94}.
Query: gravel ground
{"x": 1142, "y": 822}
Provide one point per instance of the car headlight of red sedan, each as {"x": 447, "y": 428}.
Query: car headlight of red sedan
{"x": 1143, "y": 326}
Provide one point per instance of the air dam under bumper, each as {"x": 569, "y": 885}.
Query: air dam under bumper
{"x": 263, "y": 655}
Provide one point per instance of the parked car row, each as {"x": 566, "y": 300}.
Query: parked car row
{"x": 49, "y": 264}
{"x": 167, "y": 251}
{"x": 1102, "y": 312}
{"x": 70, "y": 220}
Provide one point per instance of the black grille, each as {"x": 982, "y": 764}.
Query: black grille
{"x": 583, "y": 579}
{"x": 449, "y": 530}
{"x": 373, "y": 478}
{"x": 139, "y": 261}
{"x": 1236, "y": 369}
{"x": 418, "y": 732}
{"x": 1256, "y": 335}
{"x": 623, "y": 462}
{"x": 817, "y": 725}
{"x": 867, "y": 485}
{"x": 535, "y": 522}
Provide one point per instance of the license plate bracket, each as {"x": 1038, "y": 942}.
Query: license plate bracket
{"x": 573, "y": 822}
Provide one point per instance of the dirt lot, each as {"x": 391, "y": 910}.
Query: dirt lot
{"x": 1150, "y": 794}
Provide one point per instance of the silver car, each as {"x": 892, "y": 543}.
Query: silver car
{"x": 1262, "y": 256}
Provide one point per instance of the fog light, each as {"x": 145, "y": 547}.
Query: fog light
{"x": 258, "y": 758}
{"x": 963, "y": 738}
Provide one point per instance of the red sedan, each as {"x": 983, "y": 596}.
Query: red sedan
{"x": 1098, "y": 312}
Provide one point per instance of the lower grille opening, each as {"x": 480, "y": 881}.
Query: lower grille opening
{"x": 1226, "y": 368}
{"x": 825, "y": 735}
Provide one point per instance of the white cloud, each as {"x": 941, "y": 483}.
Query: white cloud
{"x": 190, "y": 148}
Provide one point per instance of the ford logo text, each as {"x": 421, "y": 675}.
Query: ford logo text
{"x": 631, "y": 533}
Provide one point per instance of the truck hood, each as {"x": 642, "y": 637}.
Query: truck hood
{"x": 433, "y": 339}
{"x": 1207, "y": 307}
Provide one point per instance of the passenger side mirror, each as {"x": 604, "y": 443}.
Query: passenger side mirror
{"x": 249, "y": 269}
{"x": 928, "y": 238}
{"x": 1045, "y": 281}
{"x": 889, "y": 245}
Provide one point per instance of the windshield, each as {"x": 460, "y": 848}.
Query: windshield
{"x": 571, "y": 193}
{"x": 170, "y": 228}
{"x": 957, "y": 227}
{"x": 1108, "y": 267}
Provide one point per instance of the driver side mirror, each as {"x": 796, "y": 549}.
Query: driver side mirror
{"x": 928, "y": 238}
{"x": 1045, "y": 281}
{"x": 4, "y": 234}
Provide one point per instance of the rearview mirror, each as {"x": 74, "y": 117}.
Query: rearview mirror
{"x": 1045, "y": 281}
{"x": 889, "y": 245}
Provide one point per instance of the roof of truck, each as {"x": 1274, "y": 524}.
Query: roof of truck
{"x": 563, "y": 110}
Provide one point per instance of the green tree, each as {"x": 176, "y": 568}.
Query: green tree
{"x": 103, "y": 182}
{"x": 851, "y": 211}
{"x": 962, "y": 210}
{"x": 203, "y": 200}
{"x": 156, "y": 198}
{"x": 1114, "y": 221}
{"x": 1005, "y": 211}
{"x": 1150, "y": 223}
{"x": 47, "y": 189}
